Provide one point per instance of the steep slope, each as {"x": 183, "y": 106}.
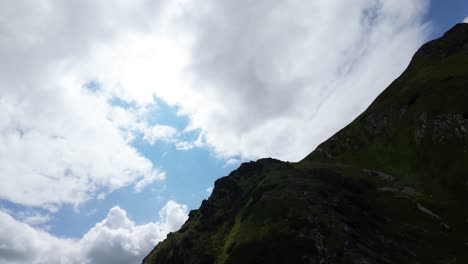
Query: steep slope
{"x": 391, "y": 187}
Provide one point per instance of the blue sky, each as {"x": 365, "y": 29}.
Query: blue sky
{"x": 134, "y": 123}
{"x": 190, "y": 173}
{"x": 445, "y": 14}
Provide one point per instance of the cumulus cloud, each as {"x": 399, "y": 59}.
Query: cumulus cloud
{"x": 21, "y": 243}
{"x": 116, "y": 239}
{"x": 147, "y": 180}
{"x": 62, "y": 149}
{"x": 465, "y": 20}
{"x": 279, "y": 78}
{"x": 256, "y": 79}
{"x": 266, "y": 79}
{"x": 161, "y": 133}
{"x": 60, "y": 141}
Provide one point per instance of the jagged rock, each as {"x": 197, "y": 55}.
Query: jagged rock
{"x": 427, "y": 211}
{"x": 410, "y": 191}
{"x": 380, "y": 175}
{"x": 387, "y": 189}
{"x": 375, "y": 124}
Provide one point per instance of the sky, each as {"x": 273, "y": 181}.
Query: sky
{"x": 116, "y": 117}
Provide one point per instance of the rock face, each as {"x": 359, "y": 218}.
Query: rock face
{"x": 391, "y": 187}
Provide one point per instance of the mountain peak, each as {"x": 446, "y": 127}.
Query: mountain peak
{"x": 458, "y": 29}
{"x": 453, "y": 41}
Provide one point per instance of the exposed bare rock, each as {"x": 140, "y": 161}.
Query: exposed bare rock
{"x": 427, "y": 211}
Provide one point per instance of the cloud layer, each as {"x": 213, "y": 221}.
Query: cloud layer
{"x": 266, "y": 79}
{"x": 256, "y": 79}
{"x": 116, "y": 239}
{"x": 279, "y": 78}
{"x": 60, "y": 140}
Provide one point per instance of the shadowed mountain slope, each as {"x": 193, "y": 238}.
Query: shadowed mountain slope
{"x": 391, "y": 187}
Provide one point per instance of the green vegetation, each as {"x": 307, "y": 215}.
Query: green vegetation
{"x": 391, "y": 187}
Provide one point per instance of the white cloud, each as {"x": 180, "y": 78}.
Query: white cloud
{"x": 116, "y": 239}
{"x": 148, "y": 179}
{"x": 63, "y": 149}
{"x": 60, "y": 143}
{"x": 465, "y": 20}
{"x": 21, "y": 243}
{"x": 134, "y": 121}
{"x": 160, "y": 133}
{"x": 184, "y": 145}
{"x": 101, "y": 196}
{"x": 187, "y": 145}
{"x": 35, "y": 219}
{"x": 231, "y": 162}
{"x": 276, "y": 79}
{"x": 265, "y": 79}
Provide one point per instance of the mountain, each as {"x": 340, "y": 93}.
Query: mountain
{"x": 391, "y": 187}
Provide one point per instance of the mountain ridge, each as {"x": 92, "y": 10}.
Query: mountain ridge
{"x": 390, "y": 187}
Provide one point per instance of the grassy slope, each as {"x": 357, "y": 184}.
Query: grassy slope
{"x": 366, "y": 194}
